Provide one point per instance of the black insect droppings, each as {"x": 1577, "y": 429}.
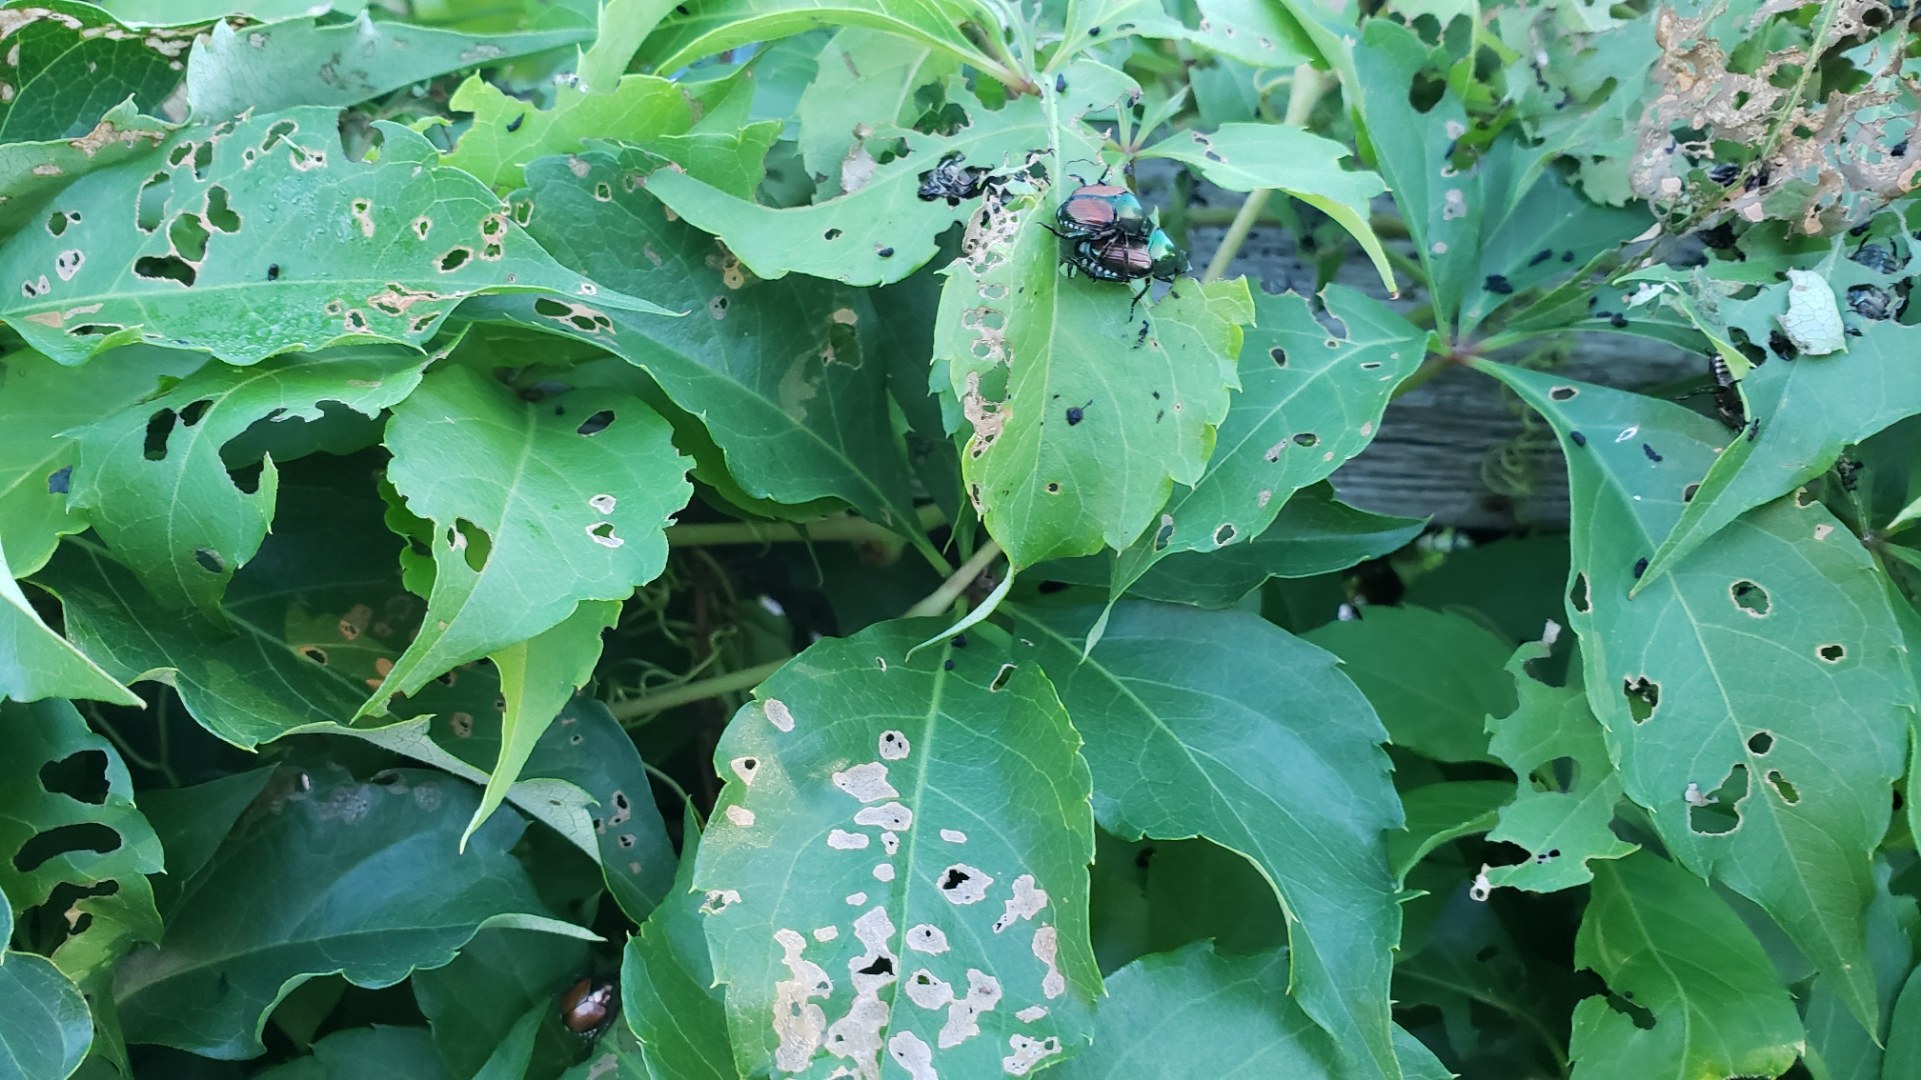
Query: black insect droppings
{"x": 959, "y": 642}
{"x": 1650, "y": 452}
{"x": 1497, "y": 284}
{"x": 1093, "y": 31}
{"x": 1541, "y": 256}
{"x": 514, "y": 124}
{"x": 1640, "y": 567}
{"x": 1075, "y": 414}
{"x": 59, "y": 479}
{"x": 1567, "y": 256}
{"x": 948, "y": 666}
{"x": 1060, "y": 83}
{"x": 1577, "y": 438}
{"x": 273, "y": 271}
{"x": 1617, "y": 320}
{"x": 885, "y": 253}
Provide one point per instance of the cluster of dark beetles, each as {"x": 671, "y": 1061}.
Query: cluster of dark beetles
{"x": 1109, "y": 236}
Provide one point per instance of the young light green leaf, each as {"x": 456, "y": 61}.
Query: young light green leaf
{"x": 1310, "y": 400}
{"x": 884, "y": 229}
{"x": 280, "y": 65}
{"x": 724, "y": 24}
{"x": 506, "y": 133}
{"x": 1250, "y": 157}
{"x": 537, "y": 677}
{"x": 668, "y": 996}
{"x": 1315, "y": 533}
{"x": 1808, "y": 413}
{"x": 39, "y": 735}
{"x": 152, "y": 480}
{"x": 1756, "y": 698}
{"x": 44, "y": 402}
{"x": 785, "y": 376}
{"x": 257, "y": 236}
{"x": 1081, "y": 425}
{"x": 37, "y": 663}
{"x": 1559, "y": 818}
{"x": 537, "y": 507}
{"x": 324, "y": 875}
{"x": 45, "y": 1029}
{"x": 1434, "y": 677}
{"x": 914, "y": 842}
{"x": 1693, "y": 994}
{"x": 1186, "y": 736}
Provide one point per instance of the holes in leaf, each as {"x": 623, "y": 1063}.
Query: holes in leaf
{"x": 202, "y": 159}
{"x": 220, "y": 214}
{"x": 596, "y": 423}
{"x": 1307, "y": 438}
{"x": 159, "y": 428}
{"x": 165, "y": 268}
{"x": 1719, "y": 813}
{"x": 1000, "y": 677}
{"x": 455, "y": 259}
{"x": 1750, "y": 598}
{"x": 1279, "y": 356}
{"x": 60, "y": 480}
{"x": 1224, "y": 535}
{"x": 1688, "y": 493}
{"x": 1641, "y": 1017}
{"x": 62, "y": 839}
{"x": 1562, "y": 393}
{"x": 1577, "y": 594}
{"x": 209, "y": 560}
{"x": 189, "y": 235}
{"x": 472, "y": 542}
{"x": 314, "y": 653}
{"x": 277, "y": 132}
{"x": 1425, "y": 91}
{"x": 179, "y": 154}
{"x": 1832, "y": 654}
{"x": 60, "y": 219}
{"x": 1165, "y": 533}
{"x": 191, "y": 415}
{"x": 1783, "y": 787}
{"x": 81, "y": 776}
{"x": 1760, "y": 743}
{"x": 1644, "y": 696}
{"x": 150, "y": 206}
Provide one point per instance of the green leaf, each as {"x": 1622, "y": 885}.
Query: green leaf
{"x": 1315, "y": 533}
{"x": 623, "y": 25}
{"x": 1808, "y": 413}
{"x": 324, "y": 875}
{"x": 45, "y": 1028}
{"x": 1561, "y": 813}
{"x": 1199, "y": 1012}
{"x": 536, "y": 508}
{"x": 1080, "y": 425}
{"x": 537, "y": 677}
{"x": 498, "y": 977}
{"x": 259, "y": 236}
{"x": 506, "y": 133}
{"x": 1309, "y": 401}
{"x": 1671, "y": 948}
{"x": 44, "y": 402}
{"x": 69, "y": 64}
{"x": 667, "y": 991}
{"x": 1903, "y": 1055}
{"x": 883, "y": 230}
{"x": 33, "y": 172}
{"x": 304, "y": 62}
{"x": 37, "y": 663}
{"x": 725, "y": 24}
{"x": 369, "y": 1053}
{"x": 152, "y": 480}
{"x": 1266, "y": 35}
{"x": 1838, "y": 1046}
{"x": 50, "y": 839}
{"x": 1756, "y": 697}
{"x": 1186, "y": 737}
{"x": 1252, "y": 157}
{"x": 1439, "y": 812}
{"x": 785, "y": 375}
{"x": 924, "y": 831}
{"x": 1434, "y": 677}
{"x": 866, "y": 77}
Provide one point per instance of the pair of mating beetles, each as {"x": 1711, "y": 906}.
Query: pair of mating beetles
{"x": 1110, "y": 236}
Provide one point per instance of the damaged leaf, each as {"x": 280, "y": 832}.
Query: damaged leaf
{"x": 37, "y": 663}
{"x": 1185, "y": 737}
{"x": 897, "y": 867}
{"x": 257, "y": 236}
{"x": 1756, "y": 696}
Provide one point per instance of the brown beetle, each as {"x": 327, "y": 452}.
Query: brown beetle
{"x": 589, "y": 1005}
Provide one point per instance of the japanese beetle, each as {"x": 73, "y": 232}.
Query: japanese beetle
{"x": 1102, "y": 211}
{"x": 1119, "y": 258}
{"x": 588, "y": 1007}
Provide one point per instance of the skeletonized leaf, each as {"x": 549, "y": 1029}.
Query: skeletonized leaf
{"x": 1311, "y": 398}
{"x": 1187, "y": 734}
{"x": 1250, "y": 157}
{"x": 152, "y": 481}
{"x": 325, "y": 874}
{"x": 280, "y": 65}
{"x": 1672, "y": 952}
{"x": 898, "y": 863}
{"x": 1756, "y": 697}
{"x": 37, "y": 663}
{"x": 867, "y": 77}
{"x": 536, "y": 507}
{"x": 1567, "y": 786}
{"x": 253, "y": 237}
{"x": 32, "y": 172}
{"x": 1081, "y": 424}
